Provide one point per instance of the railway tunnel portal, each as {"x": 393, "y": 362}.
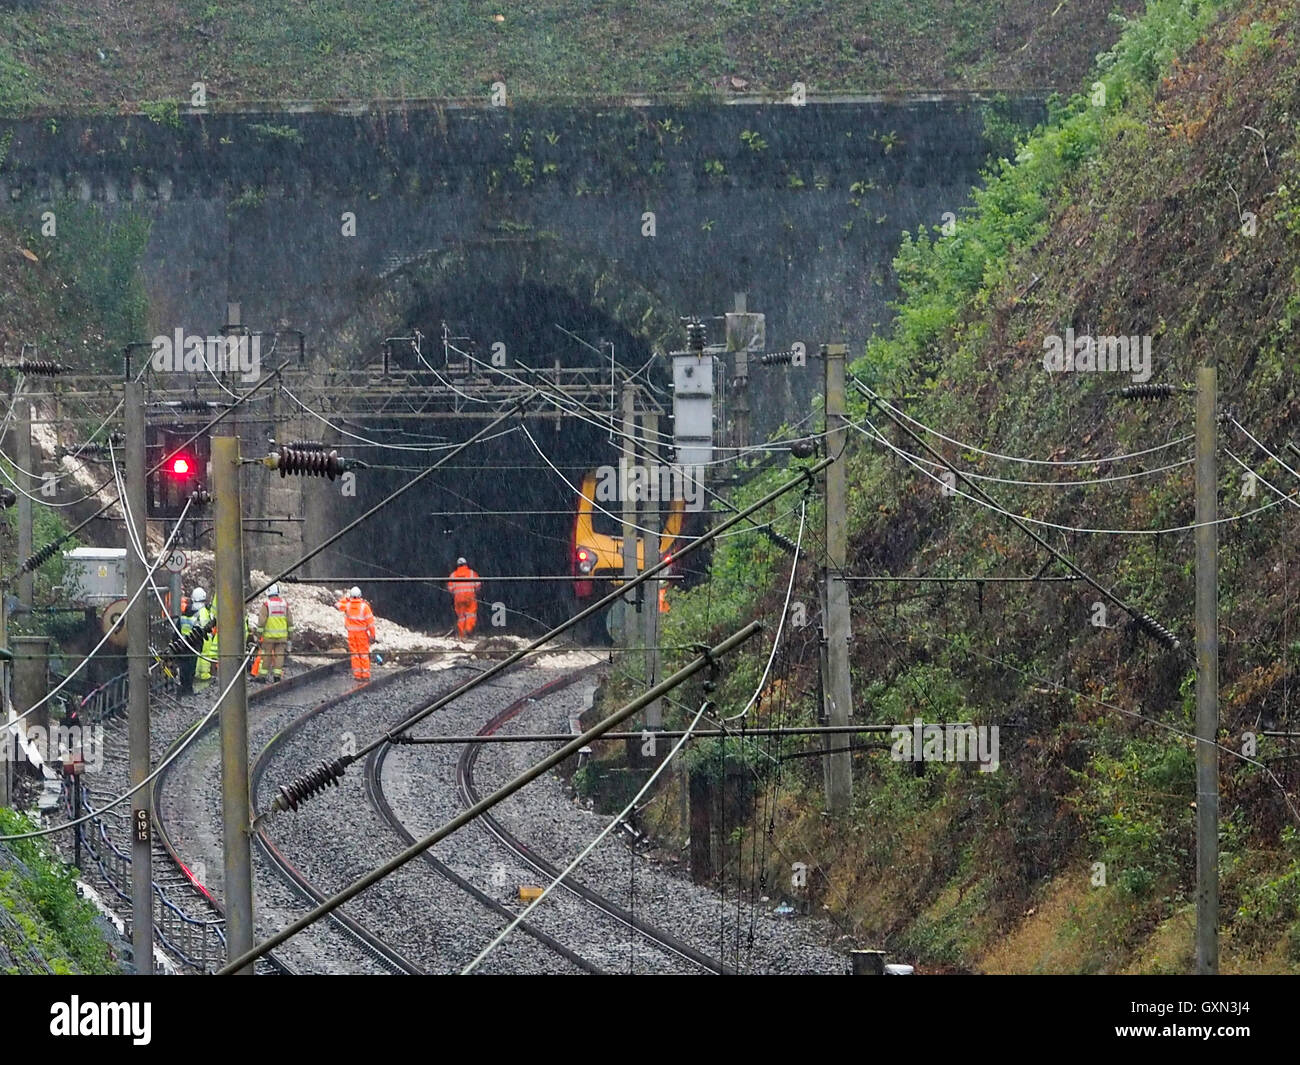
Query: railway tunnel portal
{"x": 385, "y": 239}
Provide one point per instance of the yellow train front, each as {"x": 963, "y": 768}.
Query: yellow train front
{"x": 597, "y": 543}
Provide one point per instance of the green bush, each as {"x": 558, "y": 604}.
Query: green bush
{"x": 43, "y": 899}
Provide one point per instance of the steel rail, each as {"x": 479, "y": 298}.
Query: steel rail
{"x": 162, "y": 834}
{"x": 369, "y": 941}
{"x": 375, "y": 793}
{"x": 706, "y": 660}
{"x": 470, "y": 796}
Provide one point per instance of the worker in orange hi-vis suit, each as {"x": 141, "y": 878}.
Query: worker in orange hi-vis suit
{"x": 464, "y": 585}
{"x": 360, "y": 620}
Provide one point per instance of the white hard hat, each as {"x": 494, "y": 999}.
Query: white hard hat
{"x": 461, "y": 562}
{"x": 354, "y": 592}
{"x": 274, "y": 589}
{"x": 199, "y": 595}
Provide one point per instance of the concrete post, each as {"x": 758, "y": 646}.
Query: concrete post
{"x": 1207, "y": 676}
{"x": 628, "y": 460}
{"x": 138, "y": 724}
{"x": 23, "y": 457}
{"x": 836, "y": 689}
{"x": 651, "y": 521}
{"x": 233, "y": 679}
{"x": 32, "y": 679}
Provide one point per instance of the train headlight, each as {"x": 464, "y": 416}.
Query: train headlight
{"x": 586, "y": 560}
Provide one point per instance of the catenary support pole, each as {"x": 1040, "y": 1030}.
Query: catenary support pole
{"x": 23, "y": 457}
{"x": 651, "y": 517}
{"x": 1207, "y": 675}
{"x": 630, "y": 541}
{"x": 236, "y": 837}
{"x": 836, "y": 690}
{"x": 137, "y": 643}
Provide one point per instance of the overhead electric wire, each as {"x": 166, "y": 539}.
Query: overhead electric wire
{"x": 1144, "y": 621}
{"x": 206, "y": 427}
{"x": 578, "y": 492}
{"x": 73, "y": 455}
{"x": 1056, "y": 686}
{"x": 1052, "y": 484}
{"x": 707, "y": 658}
{"x": 478, "y": 437}
{"x": 1017, "y": 458}
{"x": 619, "y": 431}
{"x": 339, "y": 765}
{"x": 169, "y": 613}
{"x": 1051, "y": 524}
{"x": 780, "y": 627}
{"x": 1262, "y": 448}
{"x": 108, "y": 635}
{"x": 92, "y": 494}
{"x": 601, "y": 420}
{"x": 31, "y": 475}
{"x": 1273, "y": 488}
{"x": 366, "y": 440}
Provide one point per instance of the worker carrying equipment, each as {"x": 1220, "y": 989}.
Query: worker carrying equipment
{"x": 464, "y": 585}
{"x": 360, "y": 621}
{"x": 275, "y": 629}
{"x": 190, "y": 624}
{"x": 204, "y": 634}
{"x": 212, "y": 643}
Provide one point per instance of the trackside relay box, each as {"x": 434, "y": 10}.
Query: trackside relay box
{"x": 94, "y": 576}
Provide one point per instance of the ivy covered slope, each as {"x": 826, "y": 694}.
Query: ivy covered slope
{"x": 44, "y": 926}
{"x": 1164, "y": 201}
{"x": 89, "y": 52}
{"x": 74, "y": 298}
{"x": 73, "y": 295}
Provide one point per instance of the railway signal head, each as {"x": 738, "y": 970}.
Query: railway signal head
{"x": 181, "y": 467}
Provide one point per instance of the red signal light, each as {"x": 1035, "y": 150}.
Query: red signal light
{"x": 181, "y": 466}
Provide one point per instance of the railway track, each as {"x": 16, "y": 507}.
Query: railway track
{"x": 167, "y": 853}
{"x": 375, "y": 793}
{"x": 184, "y": 902}
{"x": 388, "y": 956}
{"x": 469, "y": 795}
{"x": 430, "y": 928}
{"x": 375, "y": 933}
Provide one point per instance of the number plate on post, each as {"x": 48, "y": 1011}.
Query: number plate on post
{"x": 142, "y": 826}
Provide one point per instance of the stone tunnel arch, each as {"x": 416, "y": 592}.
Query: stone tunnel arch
{"x": 522, "y": 284}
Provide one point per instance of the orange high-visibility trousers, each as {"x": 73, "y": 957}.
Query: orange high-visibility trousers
{"x": 466, "y": 614}
{"x": 359, "y": 645}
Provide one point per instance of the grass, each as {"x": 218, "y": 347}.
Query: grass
{"x": 540, "y": 48}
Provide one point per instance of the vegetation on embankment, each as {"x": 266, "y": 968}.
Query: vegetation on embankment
{"x": 86, "y": 52}
{"x": 70, "y": 289}
{"x": 1161, "y": 201}
{"x": 45, "y": 926}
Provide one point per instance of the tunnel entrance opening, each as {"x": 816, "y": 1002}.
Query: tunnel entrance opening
{"x": 508, "y": 505}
